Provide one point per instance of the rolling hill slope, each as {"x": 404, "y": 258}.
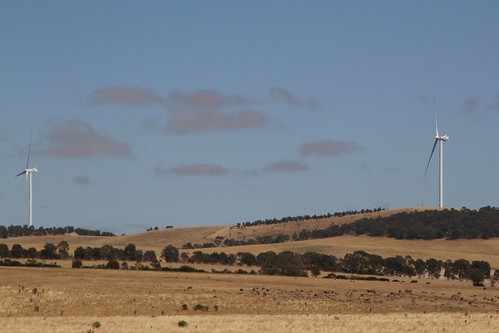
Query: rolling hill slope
{"x": 473, "y": 249}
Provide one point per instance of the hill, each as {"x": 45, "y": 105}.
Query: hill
{"x": 471, "y": 249}
{"x": 178, "y": 236}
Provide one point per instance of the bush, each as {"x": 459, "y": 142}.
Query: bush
{"x": 113, "y": 264}
{"x": 200, "y": 307}
{"x": 77, "y": 263}
{"x": 182, "y": 323}
{"x": 476, "y": 276}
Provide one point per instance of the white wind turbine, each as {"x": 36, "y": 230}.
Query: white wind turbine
{"x": 29, "y": 179}
{"x": 440, "y": 140}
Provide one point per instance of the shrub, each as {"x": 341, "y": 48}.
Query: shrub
{"x": 113, "y": 264}
{"x": 182, "y": 323}
{"x": 200, "y": 307}
{"x": 76, "y": 263}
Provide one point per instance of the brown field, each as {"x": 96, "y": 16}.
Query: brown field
{"x": 71, "y": 300}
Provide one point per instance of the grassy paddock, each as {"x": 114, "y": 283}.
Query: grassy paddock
{"x": 392, "y": 322}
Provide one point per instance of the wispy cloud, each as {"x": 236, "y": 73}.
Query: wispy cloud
{"x": 285, "y": 166}
{"x": 287, "y": 97}
{"x": 425, "y": 100}
{"x": 185, "y": 122}
{"x": 200, "y": 110}
{"x": 77, "y": 138}
{"x": 470, "y": 104}
{"x": 198, "y": 169}
{"x": 81, "y": 180}
{"x": 124, "y": 96}
{"x": 329, "y": 148}
{"x": 205, "y": 99}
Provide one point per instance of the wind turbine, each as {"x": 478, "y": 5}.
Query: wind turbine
{"x": 440, "y": 139}
{"x": 29, "y": 179}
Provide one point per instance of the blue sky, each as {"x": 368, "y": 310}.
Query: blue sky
{"x": 190, "y": 113}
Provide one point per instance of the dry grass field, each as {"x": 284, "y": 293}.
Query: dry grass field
{"x": 71, "y": 300}
{"x": 93, "y": 301}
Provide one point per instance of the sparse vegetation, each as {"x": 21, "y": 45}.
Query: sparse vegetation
{"x": 200, "y": 307}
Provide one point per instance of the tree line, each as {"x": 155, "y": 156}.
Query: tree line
{"x": 358, "y": 262}
{"x": 307, "y": 217}
{"x": 61, "y": 251}
{"x": 18, "y": 231}
{"x": 430, "y": 224}
{"x": 270, "y": 263}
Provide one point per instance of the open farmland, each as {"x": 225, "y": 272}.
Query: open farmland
{"x": 96, "y": 300}
{"x": 71, "y": 300}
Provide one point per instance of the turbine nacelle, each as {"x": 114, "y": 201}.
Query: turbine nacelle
{"x": 26, "y": 171}
{"x": 444, "y": 137}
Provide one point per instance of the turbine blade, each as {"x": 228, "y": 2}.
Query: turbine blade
{"x": 29, "y": 149}
{"x": 429, "y": 160}
{"x": 21, "y": 173}
{"x": 436, "y": 126}
{"x": 436, "y": 121}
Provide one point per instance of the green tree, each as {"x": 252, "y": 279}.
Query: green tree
{"x": 246, "y": 258}
{"x": 433, "y": 267}
{"x": 31, "y": 253}
{"x": 420, "y": 267}
{"x": 4, "y": 233}
{"x": 476, "y": 275}
{"x": 149, "y": 256}
{"x": 113, "y": 264}
{"x": 461, "y": 268}
{"x": 289, "y": 263}
{"x": 265, "y": 258}
{"x": 483, "y": 267}
{"x": 17, "y": 251}
{"x": 79, "y": 253}
{"x": 315, "y": 271}
{"x": 184, "y": 257}
{"x": 4, "y": 251}
{"x": 170, "y": 254}
{"x": 49, "y": 251}
{"x": 63, "y": 249}
{"x": 130, "y": 252}
{"x": 448, "y": 270}
{"x": 76, "y": 263}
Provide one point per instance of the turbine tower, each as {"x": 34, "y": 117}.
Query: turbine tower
{"x": 29, "y": 179}
{"x": 440, "y": 139}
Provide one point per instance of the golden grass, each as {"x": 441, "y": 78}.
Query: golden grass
{"x": 393, "y": 322}
{"x": 71, "y": 300}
